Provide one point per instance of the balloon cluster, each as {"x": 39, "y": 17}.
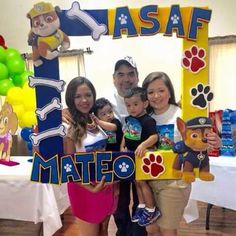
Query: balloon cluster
{"x": 24, "y": 104}
{"x": 14, "y": 85}
{"x": 12, "y": 70}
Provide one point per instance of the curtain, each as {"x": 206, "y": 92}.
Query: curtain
{"x": 222, "y": 59}
{"x": 69, "y": 67}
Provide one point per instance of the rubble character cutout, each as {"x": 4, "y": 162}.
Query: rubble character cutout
{"x": 45, "y": 35}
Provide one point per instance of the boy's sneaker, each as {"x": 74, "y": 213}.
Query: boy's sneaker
{"x": 148, "y": 218}
{"x": 138, "y": 213}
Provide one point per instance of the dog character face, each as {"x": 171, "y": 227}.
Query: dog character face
{"x": 45, "y": 35}
{"x": 196, "y": 139}
{"x": 8, "y": 127}
{"x": 45, "y": 24}
{"x": 8, "y": 120}
{"x": 194, "y": 132}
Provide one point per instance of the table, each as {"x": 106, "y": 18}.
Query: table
{"x": 220, "y": 192}
{"x": 21, "y": 199}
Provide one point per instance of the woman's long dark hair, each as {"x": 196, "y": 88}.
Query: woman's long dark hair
{"x": 165, "y": 78}
{"x": 81, "y": 120}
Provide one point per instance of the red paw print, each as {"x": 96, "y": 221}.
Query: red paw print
{"x": 193, "y": 59}
{"x": 153, "y": 165}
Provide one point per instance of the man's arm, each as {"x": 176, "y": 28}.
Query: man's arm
{"x": 66, "y": 116}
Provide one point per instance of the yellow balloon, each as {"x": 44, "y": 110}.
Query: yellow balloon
{"x": 29, "y": 104}
{"x": 29, "y": 119}
{"x": 19, "y": 110}
{"x": 26, "y": 87}
{"x": 15, "y": 96}
{"x": 21, "y": 123}
{"x": 29, "y": 98}
{"x": 28, "y": 91}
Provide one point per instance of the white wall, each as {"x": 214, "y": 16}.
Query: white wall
{"x": 150, "y": 53}
{"x": 15, "y": 26}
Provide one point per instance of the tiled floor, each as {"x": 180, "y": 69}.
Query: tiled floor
{"x": 223, "y": 223}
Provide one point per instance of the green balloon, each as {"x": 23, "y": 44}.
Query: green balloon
{"x": 20, "y": 80}
{"x": 3, "y": 72}
{"x": 26, "y": 74}
{"x": 5, "y": 85}
{"x": 16, "y": 66}
{"x": 17, "y": 81}
{"x": 12, "y": 53}
{"x": 3, "y": 54}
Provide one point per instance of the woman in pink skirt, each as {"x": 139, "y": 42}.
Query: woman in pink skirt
{"x": 92, "y": 204}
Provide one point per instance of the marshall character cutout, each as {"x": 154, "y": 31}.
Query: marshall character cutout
{"x": 192, "y": 151}
{"x": 45, "y": 36}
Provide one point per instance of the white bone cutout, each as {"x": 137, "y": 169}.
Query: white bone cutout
{"x": 40, "y": 81}
{"x": 44, "y": 111}
{"x": 38, "y": 137}
{"x": 97, "y": 29}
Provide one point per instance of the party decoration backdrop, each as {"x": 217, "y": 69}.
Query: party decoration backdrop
{"x": 188, "y": 23}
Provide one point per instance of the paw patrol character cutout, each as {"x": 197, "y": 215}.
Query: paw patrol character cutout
{"x": 45, "y": 36}
{"x": 8, "y": 127}
{"x": 192, "y": 151}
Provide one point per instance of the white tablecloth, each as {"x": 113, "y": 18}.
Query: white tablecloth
{"x": 222, "y": 191}
{"x": 21, "y": 199}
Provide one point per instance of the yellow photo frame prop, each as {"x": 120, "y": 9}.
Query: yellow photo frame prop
{"x": 188, "y": 23}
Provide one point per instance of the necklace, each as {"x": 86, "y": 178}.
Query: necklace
{"x": 91, "y": 126}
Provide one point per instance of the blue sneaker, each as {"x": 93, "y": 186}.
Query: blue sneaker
{"x": 148, "y": 218}
{"x": 138, "y": 213}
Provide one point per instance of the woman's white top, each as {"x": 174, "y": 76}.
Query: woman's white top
{"x": 169, "y": 117}
{"x": 91, "y": 141}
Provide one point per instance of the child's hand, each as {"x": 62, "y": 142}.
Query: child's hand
{"x": 123, "y": 149}
{"x": 94, "y": 118}
{"x": 140, "y": 151}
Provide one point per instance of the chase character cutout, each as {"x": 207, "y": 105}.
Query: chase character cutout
{"x": 192, "y": 151}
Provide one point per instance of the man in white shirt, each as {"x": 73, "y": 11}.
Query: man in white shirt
{"x": 125, "y": 77}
